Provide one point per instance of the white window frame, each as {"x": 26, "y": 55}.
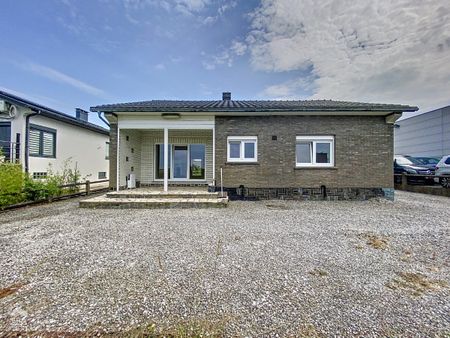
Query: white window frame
{"x": 243, "y": 140}
{"x": 314, "y": 140}
{"x": 171, "y": 146}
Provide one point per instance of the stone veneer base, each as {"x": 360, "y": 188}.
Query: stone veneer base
{"x": 317, "y": 194}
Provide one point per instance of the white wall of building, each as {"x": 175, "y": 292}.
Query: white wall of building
{"x": 84, "y": 148}
{"x": 427, "y": 134}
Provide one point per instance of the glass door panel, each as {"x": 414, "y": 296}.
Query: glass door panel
{"x": 160, "y": 161}
{"x": 180, "y": 161}
{"x": 197, "y": 162}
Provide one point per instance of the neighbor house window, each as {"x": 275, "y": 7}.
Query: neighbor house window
{"x": 242, "y": 149}
{"x": 101, "y": 175}
{"x": 314, "y": 151}
{"x": 42, "y": 141}
{"x": 107, "y": 151}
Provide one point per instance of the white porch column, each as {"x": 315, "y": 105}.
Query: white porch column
{"x": 214, "y": 154}
{"x": 166, "y": 159}
{"x": 118, "y": 158}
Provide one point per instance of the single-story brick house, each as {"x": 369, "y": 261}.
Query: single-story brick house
{"x": 261, "y": 149}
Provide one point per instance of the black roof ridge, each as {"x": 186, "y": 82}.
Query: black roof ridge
{"x": 249, "y": 105}
{"x": 53, "y": 113}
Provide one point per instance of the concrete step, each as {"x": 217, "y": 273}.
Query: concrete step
{"x": 104, "y": 202}
{"x": 164, "y": 195}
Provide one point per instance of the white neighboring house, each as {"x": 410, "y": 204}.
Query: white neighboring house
{"x": 426, "y": 135}
{"x": 40, "y": 138}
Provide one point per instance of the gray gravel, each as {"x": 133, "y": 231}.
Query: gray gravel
{"x": 255, "y": 268}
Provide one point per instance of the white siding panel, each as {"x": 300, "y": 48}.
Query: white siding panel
{"x": 130, "y": 149}
{"x": 151, "y": 137}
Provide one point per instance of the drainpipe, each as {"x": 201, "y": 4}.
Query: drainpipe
{"x": 103, "y": 119}
{"x": 27, "y": 137}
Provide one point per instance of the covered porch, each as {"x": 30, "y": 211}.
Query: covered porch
{"x": 164, "y": 156}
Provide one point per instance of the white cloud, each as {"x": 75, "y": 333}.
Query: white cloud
{"x": 160, "y": 66}
{"x": 187, "y": 7}
{"x": 60, "y": 77}
{"x": 210, "y": 62}
{"x": 224, "y": 57}
{"x": 238, "y": 48}
{"x": 290, "y": 90}
{"x": 380, "y": 51}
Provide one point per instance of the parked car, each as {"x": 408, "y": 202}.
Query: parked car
{"x": 443, "y": 169}
{"x": 410, "y": 165}
{"x": 429, "y": 162}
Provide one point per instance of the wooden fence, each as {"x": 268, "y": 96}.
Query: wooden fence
{"x": 84, "y": 189}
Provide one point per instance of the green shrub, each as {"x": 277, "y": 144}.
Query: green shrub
{"x": 36, "y": 190}
{"x": 11, "y": 183}
{"x": 69, "y": 176}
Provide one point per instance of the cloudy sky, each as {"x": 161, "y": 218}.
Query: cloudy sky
{"x": 79, "y": 53}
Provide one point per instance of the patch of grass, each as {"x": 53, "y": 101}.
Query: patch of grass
{"x": 376, "y": 242}
{"x": 277, "y": 206}
{"x": 318, "y": 272}
{"x": 309, "y": 331}
{"x": 189, "y": 329}
{"x": 5, "y": 292}
{"x": 219, "y": 247}
{"x": 415, "y": 283}
{"x": 406, "y": 256}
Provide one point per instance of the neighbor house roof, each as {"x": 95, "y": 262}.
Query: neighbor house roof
{"x": 51, "y": 113}
{"x": 249, "y": 106}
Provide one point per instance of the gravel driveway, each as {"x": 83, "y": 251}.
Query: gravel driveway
{"x": 252, "y": 269}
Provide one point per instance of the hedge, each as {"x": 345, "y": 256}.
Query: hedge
{"x": 11, "y": 183}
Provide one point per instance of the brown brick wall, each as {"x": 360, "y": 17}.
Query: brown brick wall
{"x": 363, "y": 151}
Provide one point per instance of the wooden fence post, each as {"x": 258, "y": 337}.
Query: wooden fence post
{"x": 404, "y": 181}
{"x": 88, "y": 187}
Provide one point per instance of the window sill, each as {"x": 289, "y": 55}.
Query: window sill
{"x": 315, "y": 167}
{"x": 242, "y": 163}
{"x": 41, "y": 156}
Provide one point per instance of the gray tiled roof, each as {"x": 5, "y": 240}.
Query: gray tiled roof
{"x": 52, "y": 113}
{"x": 248, "y": 106}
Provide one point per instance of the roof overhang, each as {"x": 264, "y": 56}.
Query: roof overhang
{"x": 51, "y": 113}
{"x": 255, "y": 113}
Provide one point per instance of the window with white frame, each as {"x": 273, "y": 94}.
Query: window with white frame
{"x": 242, "y": 149}
{"x": 314, "y": 151}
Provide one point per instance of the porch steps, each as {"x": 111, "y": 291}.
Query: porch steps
{"x": 131, "y": 199}
{"x": 164, "y": 195}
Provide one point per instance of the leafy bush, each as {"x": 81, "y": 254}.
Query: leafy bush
{"x": 69, "y": 176}
{"x": 50, "y": 187}
{"x": 36, "y": 190}
{"x": 16, "y": 187}
{"x": 11, "y": 183}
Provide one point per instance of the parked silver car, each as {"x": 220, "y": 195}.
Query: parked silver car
{"x": 442, "y": 170}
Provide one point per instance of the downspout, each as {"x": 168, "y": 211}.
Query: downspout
{"x": 103, "y": 119}
{"x": 27, "y": 137}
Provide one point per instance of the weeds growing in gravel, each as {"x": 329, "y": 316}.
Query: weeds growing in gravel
{"x": 219, "y": 247}
{"x": 318, "y": 272}
{"x": 309, "y": 331}
{"x": 415, "y": 283}
{"x": 5, "y": 292}
{"x": 194, "y": 329}
{"x": 376, "y": 242}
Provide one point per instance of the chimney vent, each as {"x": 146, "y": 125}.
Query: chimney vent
{"x": 82, "y": 115}
{"x": 226, "y": 96}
